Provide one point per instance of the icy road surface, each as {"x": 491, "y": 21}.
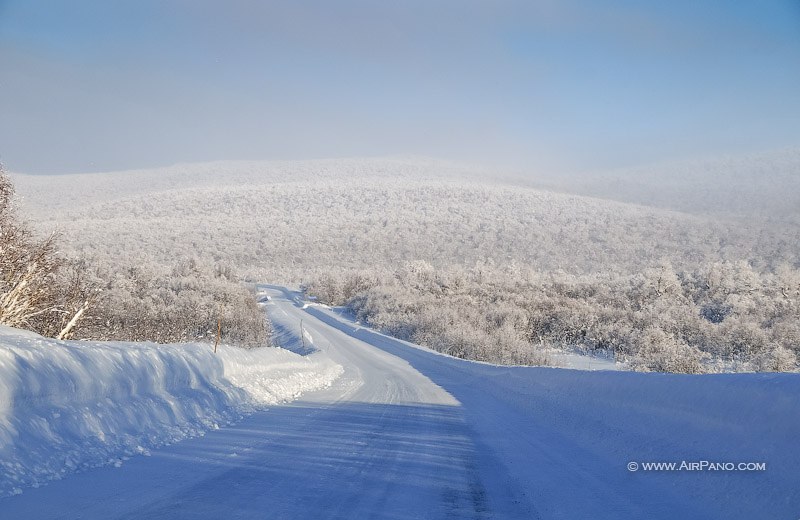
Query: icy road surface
{"x": 406, "y": 433}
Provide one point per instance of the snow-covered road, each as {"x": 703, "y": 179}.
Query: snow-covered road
{"x": 383, "y": 441}
{"x": 406, "y": 433}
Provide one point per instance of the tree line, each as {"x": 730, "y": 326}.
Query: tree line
{"x": 717, "y": 317}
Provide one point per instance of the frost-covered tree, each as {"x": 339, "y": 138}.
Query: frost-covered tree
{"x": 38, "y": 287}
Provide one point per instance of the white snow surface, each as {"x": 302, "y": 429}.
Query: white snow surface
{"x": 67, "y": 406}
{"x": 406, "y": 433}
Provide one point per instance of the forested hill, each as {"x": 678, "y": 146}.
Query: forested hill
{"x": 46, "y": 193}
{"x": 437, "y": 253}
{"x": 284, "y": 220}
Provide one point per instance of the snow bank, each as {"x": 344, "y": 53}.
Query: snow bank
{"x": 276, "y": 375}
{"x": 65, "y": 406}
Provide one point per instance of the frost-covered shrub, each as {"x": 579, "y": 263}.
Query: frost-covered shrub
{"x": 453, "y": 324}
{"x": 656, "y": 320}
{"x": 187, "y": 302}
{"x": 744, "y": 339}
{"x": 39, "y": 289}
{"x": 657, "y": 351}
{"x": 776, "y": 359}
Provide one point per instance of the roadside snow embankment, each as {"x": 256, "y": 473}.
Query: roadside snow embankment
{"x": 275, "y": 375}
{"x": 65, "y": 406}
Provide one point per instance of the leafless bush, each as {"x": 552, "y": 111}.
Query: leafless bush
{"x": 186, "y": 302}
{"x": 657, "y": 320}
{"x": 37, "y": 289}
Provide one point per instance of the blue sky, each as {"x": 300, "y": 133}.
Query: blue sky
{"x": 538, "y": 84}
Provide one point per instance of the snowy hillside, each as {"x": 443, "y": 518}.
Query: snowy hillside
{"x": 46, "y": 194}
{"x": 69, "y": 406}
{"x": 264, "y": 218}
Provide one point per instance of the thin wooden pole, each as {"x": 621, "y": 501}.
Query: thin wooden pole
{"x": 302, "y": 335}
{"x": 219, "y": 330}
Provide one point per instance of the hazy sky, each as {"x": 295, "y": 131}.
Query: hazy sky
{"x": 556, "y": 84}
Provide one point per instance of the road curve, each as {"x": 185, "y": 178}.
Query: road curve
{"x": 406, "y": 433}
{"x": 384, "y": 441}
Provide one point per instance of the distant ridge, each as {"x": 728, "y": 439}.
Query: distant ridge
{"x": 46, "y": 192}
{"x": 285, "y": 220}
{"x": 765, "y": 183}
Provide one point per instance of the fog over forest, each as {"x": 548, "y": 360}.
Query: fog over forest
{"x": 691, "y": 267}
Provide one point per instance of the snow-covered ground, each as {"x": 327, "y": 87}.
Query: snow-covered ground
{"x": 405, "y": 433}
{"x": 555, "y": 443}
{"x": 68, "y": 406}
{"x": 575, "y": 359}
{"x": 584, "y": 360}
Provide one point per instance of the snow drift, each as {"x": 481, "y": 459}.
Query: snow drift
{"x": 66, "y": 406}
